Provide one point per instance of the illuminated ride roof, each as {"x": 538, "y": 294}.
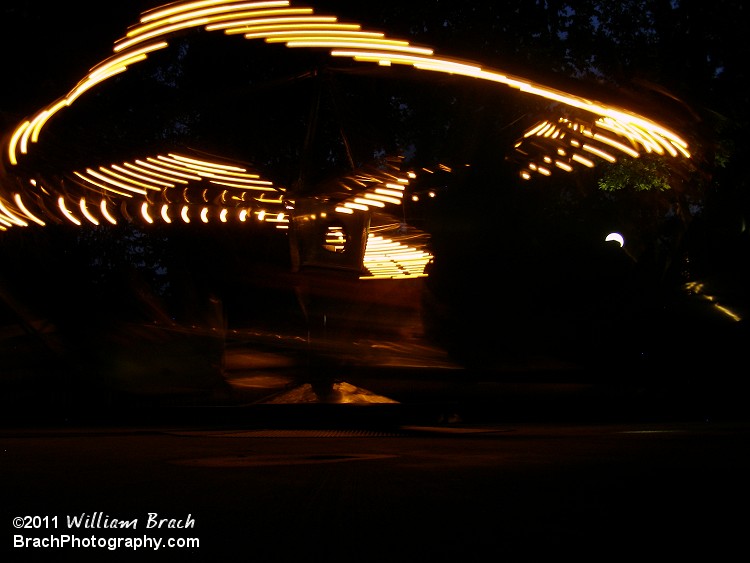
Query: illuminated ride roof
{"x": 187, "y": 187}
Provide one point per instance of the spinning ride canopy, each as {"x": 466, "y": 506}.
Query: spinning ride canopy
{"x": 187, "y": 186}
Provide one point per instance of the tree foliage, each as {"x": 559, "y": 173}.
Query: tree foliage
{"x": 638, "y": 174}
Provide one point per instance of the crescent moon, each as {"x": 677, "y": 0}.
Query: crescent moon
{"x": 616, "y": 237}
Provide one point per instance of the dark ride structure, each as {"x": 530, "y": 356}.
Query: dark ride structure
{"x": 219, "y": 263}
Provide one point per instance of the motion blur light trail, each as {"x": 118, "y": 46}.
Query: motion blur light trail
{"x": 180, "y": 187}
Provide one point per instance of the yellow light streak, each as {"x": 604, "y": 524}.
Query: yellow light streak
{"x": 153, "y": 173}
{"x": 298, "y": 27}
{"x": 228, "y": 168}
{"x": 145, "y": 213}
{"x": 264, "y": 199}
{"x": 90, "y": 82}
{"x": 157, "y": 165}
{"x": 86, "y": 212}
{"x": 278, "y": 218}
{"x": 385, "y": 198}
{"x": 365, "y": 201}
{"x": 29, "y": 214}
{"x": 616, "y": 144}
{"x": 133, "y": 56}
{"x": 105, "y": 212}
{"x": 176, "y": 164}
{"x": 219, "y": 13}
{"x": 582, "y": 160}
{"x": 386, "y": 45}
{"x": 598, "y": 152}
{"x": 12, "y": 217}
{"x": 66, "y": 212}
{"x": 391, "y": 192}
{"x": 162, "y": 12}
{"x": 251, "y": 24}
{"x": 151, "y": 178}
{"x": 114, "y": 182}
{"x": 109, "y": 172}
{"x": 102, "y": 186}
{"x": 162, "y": 30}
{"x": 260, "y": 32}
{"x": 538, "y": 130}
{"x": 356, "y": 206}
{"x": 286, "y": 36}
{"x": 14, "y": 141}
{"x": 256, "y": 185}
{"x": 728, "y": 312}
{"x": 386, "y": 258}
{"x": 45, "y": 115}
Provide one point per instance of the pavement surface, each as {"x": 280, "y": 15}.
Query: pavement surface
{"x": 381, "y": 482}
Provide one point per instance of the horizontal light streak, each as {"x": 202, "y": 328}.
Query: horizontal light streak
{"x": 163, "y": 30}
{"x": 167, "y": 168}
{"x": 114, "y": 182}
{"x": 250, "y": 24}
{"x": 102, "y": 186}
{"x": 171, "y": 10}
{"x": 124, "y": 178}
{"x": 384, "y": 198}
{"x": 386, "y": 258}
{"x": 323, "y": 34}
{"x": 218, "y": 13}
{"x": 151, "y": 170}
{"x": 598, "y": 152}
{"x": 201, "y": 164}
{"x": 271, "y": 20}
{"x": 390, "y": 192}
{"x": 248, "y": 17}
{"x": 259, "y": 185}
{"x": 384, "y": 44}
{"x": 261, "y": 31}
{"x": 365, "y": 201}
{"x": 151, "y": 178}
{"x": 583, "y": 160}
{"x": 616, "y": 144}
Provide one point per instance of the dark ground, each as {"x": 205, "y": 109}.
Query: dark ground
{"x": 518, "y": 471}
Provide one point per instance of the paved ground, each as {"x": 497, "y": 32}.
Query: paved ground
{"x": 346, "y": 483}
